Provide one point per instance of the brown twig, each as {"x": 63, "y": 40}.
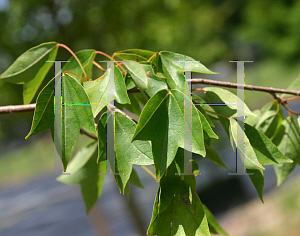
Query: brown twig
{"x": 283, "y": 102}
{"x": 82, "y": 131}
{"x": 17, "y": 109}
{"x": 292, "y": 98}
{"x": 133, "y": 90}
{"x": 246, "y": 87}
{"x": 272, "y": 91}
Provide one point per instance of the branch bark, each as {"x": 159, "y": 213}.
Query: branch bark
{"x": 246, "y": 87}
{"x": 272, "y": 91}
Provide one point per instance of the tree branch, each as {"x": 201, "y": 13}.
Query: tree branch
{"x": 272, "y": 91}
{"x": 247, "y": 87}
{"x": 17, "y": 109}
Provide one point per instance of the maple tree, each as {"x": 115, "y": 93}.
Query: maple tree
{"x": 153, "y": 86}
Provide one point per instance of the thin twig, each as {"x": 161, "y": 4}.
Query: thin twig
{"x": 290, "y": 110}
{"x": 292, "y": 98}
{"x": 133, "y": 90}
{"x": 283, "y": 102}
{"x": 17, "y": 109}
{"x": 247, "y": 87}
{"x": 110, "y": 107}
{"x": 30, "y": 108}
{"x": 82, "y": 131}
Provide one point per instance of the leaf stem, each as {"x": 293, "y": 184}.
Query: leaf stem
{"x": 289, "y": 110}
{"x": 106, "y": 55}
{"x": 100, "y": 67}
{"x": 149, "y": 172}
{"x": 149, "y": 60}
{"x": 109, "y": 57}
{"x": 101, "y": 77}
{"x": 289, "y": 99}
{"x": 122, "y": 63}
{"x": 76, "y": 58}
{"x": 216, "y": 114}
{"x": 70, "y": 72}
{"x": 283, "y": 103}
{"x": 82, "y": 131}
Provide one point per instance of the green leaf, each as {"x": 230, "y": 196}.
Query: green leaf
{"x": 295, "y": 86}
{"x": 137, "y": 73}
{"x": 76, "y": 113}
{"x": 299, "y": 120}
{"x": 128, "y": 153}
{"x": 173, "y": 66}
{"x": 212, "y": 155}
{"x": 258, "y": 180}
{"x": 252, "y": 120}
{"x": 43, "y": 118}
{"x": 177, "y": 209}
{"x": 267, "y": 153}
{"x": 206, "y": 126}
{"x": 86, "y": 58}
{"x": 134, "y": 107}
{"x": 129, "y": 81}
{"x": 97, "y": 90}
{"x": 31, "y": 87}
{"x": 155, "y": 83}
{"x": 83, "y": 170}
{"x": 121, "y": 95}
{"x": 134, "y": 54}
{"x": 28, "y": 64}
{"x": 101, "y": 139}
{"x": 287, "y": 141}
{"x": 265, "y": 120}
{"x": 156, "y": 65}
{"x": 162, "y": 121}
{"x": 182, "y": 166}
{"x": 204, "y": 107}
{"x": 213, "y": 225}
{"x": 142, "y": 97}
{"x": 224, "y": 97}
{"x": 270, "y": 120}
{"x": 251, "y": 161}
{"x": 135, "y": 179}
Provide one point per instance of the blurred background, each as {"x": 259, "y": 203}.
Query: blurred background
{"x": 214, "y": 32}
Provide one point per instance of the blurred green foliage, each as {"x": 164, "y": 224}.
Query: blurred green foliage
{"x": 207, "y": 30}
{"x": 264, "y": 31}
